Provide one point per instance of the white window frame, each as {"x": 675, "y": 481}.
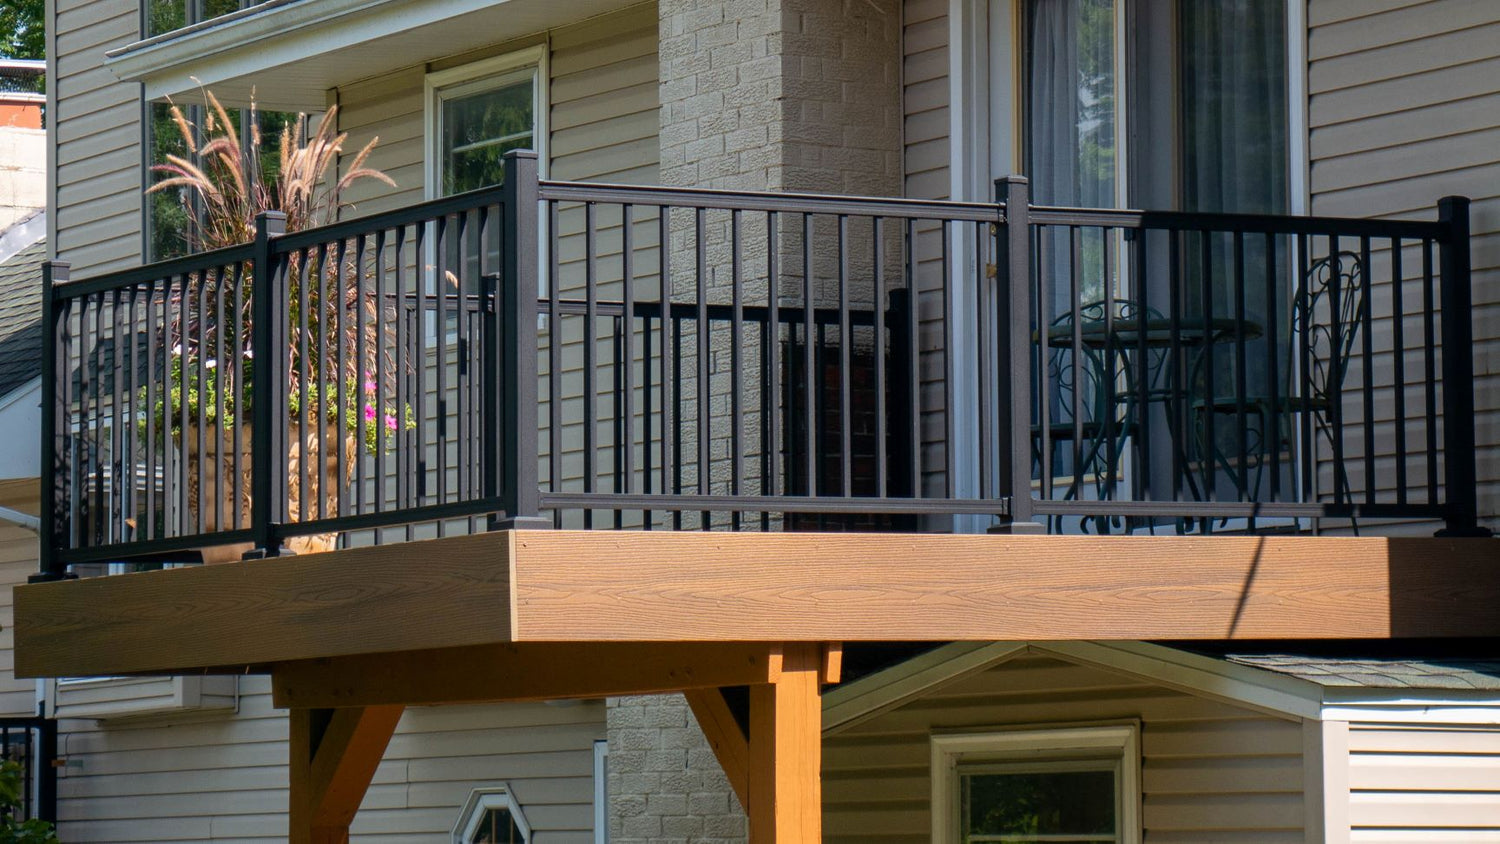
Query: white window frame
{"x": 1119, "y": 744}
{"x": 474, "y": 78}
{"x": 481, "y": 800}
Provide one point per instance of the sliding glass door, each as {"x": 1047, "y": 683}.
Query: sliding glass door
{"x": 1199, "y": 88}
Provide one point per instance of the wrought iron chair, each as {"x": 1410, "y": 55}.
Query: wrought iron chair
{"x": 1327, "y": 310}
{"x": 1079, "y": 439}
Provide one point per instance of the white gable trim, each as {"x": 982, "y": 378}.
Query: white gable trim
{"x": 1252, "y": 688}
{"x": 867, "y": 697}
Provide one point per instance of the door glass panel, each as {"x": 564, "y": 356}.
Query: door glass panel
{"x": 1234, "y": 106}
{"x": 1070, "y": 102}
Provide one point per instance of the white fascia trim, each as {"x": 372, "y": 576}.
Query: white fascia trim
{"x": 1414, "y": 707}
{"x": 19, "y": 519}
{"x": 23, "y": 234}
{"x": 867, "y": 697}
{"x": 25, "y": 391}
{"x": 273, "y": 36}
{"x": 136, "y": 61}
{"x": 1240, "y": 685}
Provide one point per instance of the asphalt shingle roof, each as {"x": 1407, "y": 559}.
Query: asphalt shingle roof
{"x": 1381, "y": 673}
{"x": 21, "y": 317}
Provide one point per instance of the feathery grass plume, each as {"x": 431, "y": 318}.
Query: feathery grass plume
{"x": 223, "y": 192}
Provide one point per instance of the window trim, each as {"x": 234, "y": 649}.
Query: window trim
{"x": 483, "y": 799}
{"x": 473, "y": 78}
{"x": 601, "y": 791}
{"x": 1119, "y": 742}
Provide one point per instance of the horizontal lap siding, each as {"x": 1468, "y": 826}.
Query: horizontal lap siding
{"x": 223, "y": 777}
{"x": 18, "y": 560}
{"x": 97, "y": 132}
{"x": 1424, "y": 785}
{"x": 1211, "y": 771}
{"x": 603, "y": 124}
{"x": 602, "y": 97}
{"x": 1404, "y": 108}
{"x": 926, "y": 146}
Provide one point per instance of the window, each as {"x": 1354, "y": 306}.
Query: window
{"x": 1072, "y": 784}
{"x": 491, "y": 816}
{"x": 479, "y": 112}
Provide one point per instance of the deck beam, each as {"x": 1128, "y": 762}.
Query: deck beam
{"x": 633, "y": 586}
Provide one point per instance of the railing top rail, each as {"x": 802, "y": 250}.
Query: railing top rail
{"x": 794, "y": 203}
{"x": 1249, "y": 223}
{"x": 370, "y": 223}
{"x": 153, "y": 272}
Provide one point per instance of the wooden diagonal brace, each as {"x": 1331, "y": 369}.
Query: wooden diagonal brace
{"x": 334, "y": 753}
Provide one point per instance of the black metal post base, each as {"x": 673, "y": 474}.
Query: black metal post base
{"x": 521, "y": 523}
{"x": 1018, "y": 528}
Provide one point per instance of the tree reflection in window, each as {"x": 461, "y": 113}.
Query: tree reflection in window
{"x": 1040, "y": 803}
{"x": 480, "y": 127}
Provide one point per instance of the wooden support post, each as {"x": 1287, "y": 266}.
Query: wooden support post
{"x": 333, "y": 756}
{"x": 786, "y": 759}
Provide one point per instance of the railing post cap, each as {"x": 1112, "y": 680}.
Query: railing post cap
{"x": 521, "y": 153}
{"x": 1012, "y": 179}
{"x": 57, "y": 265}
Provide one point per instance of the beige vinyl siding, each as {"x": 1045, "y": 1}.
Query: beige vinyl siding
{"x": 601, "y": 94}
{"x": 18, "y": 560}
{"x": 603, "y": 125}
{"x": 924, "y": 98}
{"x": 1404, "y": 108}
{"x": 1424, "y": 785}
{"x": 1211, "y": 771}
{"x": 96, "y": 125}
{"x": 223, "y": 777}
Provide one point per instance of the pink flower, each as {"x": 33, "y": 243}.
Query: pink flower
{"x": 369, "y": 413}
{"x": 390, "y": 422}
{"x": 369, "y": 386}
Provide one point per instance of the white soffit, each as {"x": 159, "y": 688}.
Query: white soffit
{"x": 291, "y": 52}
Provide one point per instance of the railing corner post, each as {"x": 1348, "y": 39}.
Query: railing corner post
{"x": 512, "y": 445}
{"x": 1459, "y": 478}
{"x": 268, "y": 394}
{"x": 1014, "y": 351}
{"x": 54, "y": 423}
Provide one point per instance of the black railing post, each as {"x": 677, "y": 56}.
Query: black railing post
{"x": 511, "y": 344}
{"x": 1014, "y": 355}
{"x": 269, "y": 304}
{"x": 56, "y": 493}
{"x": 45, "y": 768}
{"x": 1460, "y": 486}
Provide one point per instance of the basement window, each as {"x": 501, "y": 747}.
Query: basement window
{"x": 1070, "y": 784}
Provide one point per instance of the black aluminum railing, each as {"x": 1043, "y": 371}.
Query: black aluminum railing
{"x": 700, "y": 359}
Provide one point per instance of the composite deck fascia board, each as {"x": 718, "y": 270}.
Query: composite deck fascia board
{"x": 581, "y": 586}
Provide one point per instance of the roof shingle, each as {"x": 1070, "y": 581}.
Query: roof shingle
{"x": 21, "y": 317}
